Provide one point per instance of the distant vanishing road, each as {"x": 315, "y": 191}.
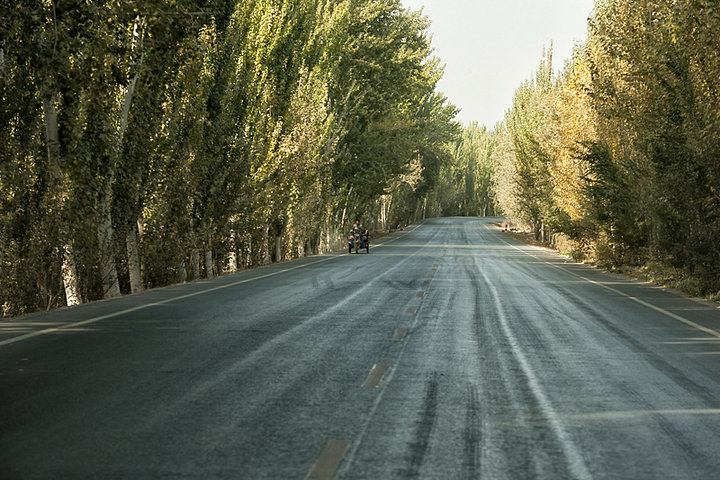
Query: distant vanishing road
{"x": 449, "y": 352}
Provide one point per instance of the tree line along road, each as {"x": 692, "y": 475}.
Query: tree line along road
{"x": 450, "y": 351}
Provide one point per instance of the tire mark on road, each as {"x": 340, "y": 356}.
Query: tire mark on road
{"x": 576, "y": 463}
{"x": 640, "y": 301}
{"x": 692, "y": 455}
{"x": 361, "y": 436}
{"x": 661, "y": 364}
{"x": 507, "y": 399}
{"x": 473, "y": 433}
{"x": 424, "y": 427}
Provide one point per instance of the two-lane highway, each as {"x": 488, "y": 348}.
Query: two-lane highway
{"x": 450, "y": 351}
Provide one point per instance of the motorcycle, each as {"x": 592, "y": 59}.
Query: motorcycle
{"x": 359, "y": 241}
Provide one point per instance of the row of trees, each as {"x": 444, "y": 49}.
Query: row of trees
{"x": 465, "y": 184}
{"x": 620, "y": 152}
{"x": 144, "y": 143}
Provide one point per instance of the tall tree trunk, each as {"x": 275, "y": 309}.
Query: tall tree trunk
{"x": 131, "y": 242}
{"x": 70, "y": 276}
{"x": 182, "y": 271}
{"x": 344, "y": 212}
{"x": 248, "y": 258}
{"x": 232, "y": 261}
{"x": 232, "y": 258}
{"x": 69, "y": 268}
{"x": 278, "y": 248}
{"x": 389, "y": 222}
{"x": 266, "y": 245}
{"x": 209, "y": 268}
{"x": 195, "y": 263}
{"x": 324, "y": 239}
{"x": 383, "y": 211}
{"x": 108, "y": 271}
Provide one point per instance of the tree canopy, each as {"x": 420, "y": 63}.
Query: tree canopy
{"x": 144, "y": 143}
{"x": 620, "y": 151}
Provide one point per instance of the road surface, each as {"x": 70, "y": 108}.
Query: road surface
{"x": 449, "y": 352}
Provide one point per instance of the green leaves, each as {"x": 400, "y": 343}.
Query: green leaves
{"x": 464, "y": 186}
{"x": 216, "y": 125}
{"x": 631, "y": 128}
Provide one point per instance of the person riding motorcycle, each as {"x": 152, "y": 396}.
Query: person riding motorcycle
{"x": 356, "y": 233}
{"x": 357, "y": 228}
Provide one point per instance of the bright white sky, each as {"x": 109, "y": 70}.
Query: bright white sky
{"x": 489, "y": 47}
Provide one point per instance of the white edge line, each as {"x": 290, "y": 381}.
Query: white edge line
{"x": 155, "y": 304}
{"x": 674, "y": 316}
{"x": 66, "y": 326}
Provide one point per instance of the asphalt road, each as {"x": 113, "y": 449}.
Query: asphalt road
{"x": 449, "y": 352}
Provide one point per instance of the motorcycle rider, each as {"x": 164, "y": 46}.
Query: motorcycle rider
{"x": 357, "y": 228}
{"x": 356, "y": 232}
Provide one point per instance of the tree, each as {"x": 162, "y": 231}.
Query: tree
{"x": 145, "y": 143}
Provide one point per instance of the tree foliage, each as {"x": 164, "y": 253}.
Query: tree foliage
{"x": 628, "y": 144}
{"x": 144, "y": 143}
{"x": 465, "y": 185}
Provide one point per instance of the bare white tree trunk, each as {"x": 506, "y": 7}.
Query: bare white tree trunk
{"x": 391, "y": 221}
{"x": 383, "y": 211}
{"x": 209, "y": 267}
{"x": 232, "y": 262}
{"x": 278, "y": 248}
{"x": 70, "y": 277}
{"x": 136, "y": 49}
{"x": 111, "y": 285}
{"x": 69, "y": 268}
{"x": 344, "y": 212}
{"x": 248, "y": 258}
{"x": 324, "y": 239}
{"x": 232, "y": 258}
{"x": 108, "y": 272}
{"x": 182, "y": 271}
{"x": 195, "y": 263}
{"x": 266, "y": 245}
{"x": 134, "y": 269}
